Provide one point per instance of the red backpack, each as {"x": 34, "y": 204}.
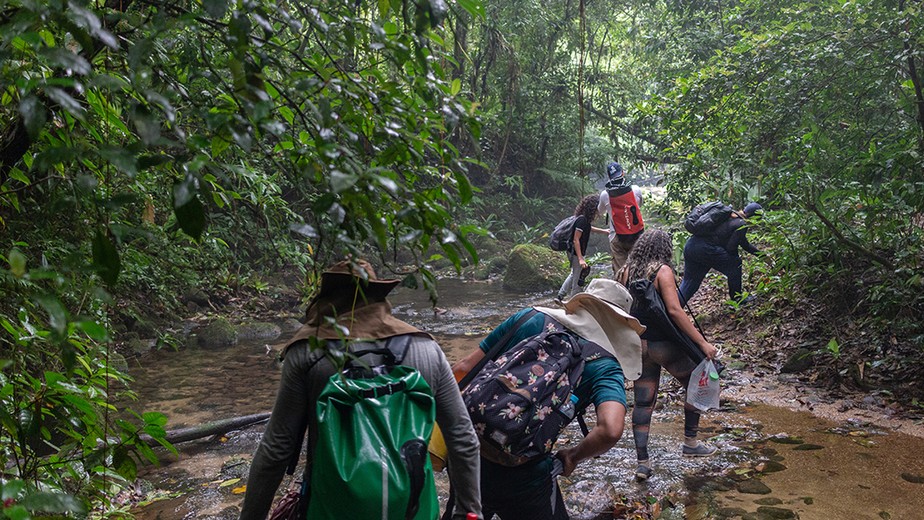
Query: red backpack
{"x": 627, "y": 217}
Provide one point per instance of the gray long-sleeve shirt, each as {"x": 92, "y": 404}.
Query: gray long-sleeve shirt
{"x": 295, "y": 411}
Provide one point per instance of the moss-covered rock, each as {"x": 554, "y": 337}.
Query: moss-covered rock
{"x": 490, "y": 267}
{"x": 534, "y": 268}
{"x": 258, "y": 330}
{"x": 218, "y": 333}
{"x": 137, "y": 346}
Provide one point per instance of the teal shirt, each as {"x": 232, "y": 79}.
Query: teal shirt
{"x": 602, "y": 379}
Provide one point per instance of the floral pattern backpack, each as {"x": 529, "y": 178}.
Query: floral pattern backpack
{"x": 520, "y": 401}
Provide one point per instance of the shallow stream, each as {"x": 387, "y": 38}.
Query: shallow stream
{"x": 773, "y": 463}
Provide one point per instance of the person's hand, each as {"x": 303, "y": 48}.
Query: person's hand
{"x": 567, "y": 461}
{"x": 583, "y": 264}
{"x": 709, "y": 349}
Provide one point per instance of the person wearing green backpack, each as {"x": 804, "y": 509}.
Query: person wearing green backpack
{"x": 351, "y": 309}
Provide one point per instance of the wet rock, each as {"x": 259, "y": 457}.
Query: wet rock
{"x": 731, "y": 512}
{"x": 139, "y": 346}
{"x": 586, "y": 498}
{"x": 808, "y": 501}
{"x": 235, "y": 467}
{"x": 218, "y": 333}
{"x": 228, "y": 513}
{"x": 808, "y": 447}
{"x": 196, "y": 296}
{"x": 771, "y": 466}
{"x": 534, "y": 268}
{"x": 291, "y": 325}
{"x": 914, "y": 479}
{"x": 775, "y": 513}
{"x": 488, "y": 268}
{"x": 117, "y": 361}
{"x": 753, "y": 487}
{"x": 144, "y": 329}
{"x": 768, "y": 501}
{"x": 259, "y": 330}
{"x": 785, "y": 439}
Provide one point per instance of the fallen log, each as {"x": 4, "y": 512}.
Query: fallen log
{"x": 211, "y": 428}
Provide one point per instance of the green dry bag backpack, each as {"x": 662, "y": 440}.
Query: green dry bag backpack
{"x": 374, "y": 424}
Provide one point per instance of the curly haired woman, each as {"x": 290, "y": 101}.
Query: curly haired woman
{"x": 652, "y": 258}
{"x": 586, "y": 212}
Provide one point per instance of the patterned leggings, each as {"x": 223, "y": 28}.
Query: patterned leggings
{"x": 657, "y": 354}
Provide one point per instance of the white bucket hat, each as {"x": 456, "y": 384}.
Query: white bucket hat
{"x": 601, "y": 314}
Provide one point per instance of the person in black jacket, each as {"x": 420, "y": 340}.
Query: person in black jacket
{"x": 719, "y": 251}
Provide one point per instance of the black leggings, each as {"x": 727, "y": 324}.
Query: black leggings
{"x": 657, "y": 354}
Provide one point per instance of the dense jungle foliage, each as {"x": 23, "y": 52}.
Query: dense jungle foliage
{"x": 148, "y": 149}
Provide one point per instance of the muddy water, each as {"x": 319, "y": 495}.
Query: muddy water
{"x": 773, "y": 462}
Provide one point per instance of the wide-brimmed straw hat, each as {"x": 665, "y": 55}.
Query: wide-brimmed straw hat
{"x": 601, "y": 314}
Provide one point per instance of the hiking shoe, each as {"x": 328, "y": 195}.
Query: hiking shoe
{"x": 700, "y": 450}
{"x": 748, "y": 301}
{"x": 642, "y": 472}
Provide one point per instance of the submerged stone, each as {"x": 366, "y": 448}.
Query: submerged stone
{"x": 218, "y": 333}
{"x": 775, "y": 513}
{"x": 772, "y": 466}
{"x": 768, "y": 501}
{"x": 731, "y": 512}
{"x": 753, "y": 487}
{"x": 786, "y": 439}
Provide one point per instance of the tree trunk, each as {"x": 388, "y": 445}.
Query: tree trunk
{"x": 211, "y": 428}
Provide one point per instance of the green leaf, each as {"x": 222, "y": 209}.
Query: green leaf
{"x": 146, "y": 124}
{"x": 17, "y": 512}
{"x": 106, "y": 258}
{"x": 215, "y": 8}
{"x": 17, "y": 262}
{"x": 69, "y": 104}
{"x": 52, "y": 503}
{"x": 191, "y": 217}
{"x": 340, "y": 182}
{"x": 94, "y": 330}
{"x": 69, "y": 61}
{"x": 121, "y": 158}
{"x": 57, "y": 315}
{"x": 154, "y": 418}
{"x": 474, "y": 7}
{"x": 11, "y": 489}
{"x": 33, "y": 115}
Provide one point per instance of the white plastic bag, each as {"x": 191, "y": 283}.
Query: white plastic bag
{"x": 703, "y": 390}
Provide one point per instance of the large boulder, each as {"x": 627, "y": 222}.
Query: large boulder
{"x": 533, "y": 268}
{"x": 218, "y": 333}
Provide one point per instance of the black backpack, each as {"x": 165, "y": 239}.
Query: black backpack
{"x": 563, "y": 235}
{"x": 649, "y": 309}
{"x": 705, "y": 218}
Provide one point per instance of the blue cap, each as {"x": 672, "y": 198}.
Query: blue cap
{"x": 751, "y": 209}
{"x": 614, "y": 171}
